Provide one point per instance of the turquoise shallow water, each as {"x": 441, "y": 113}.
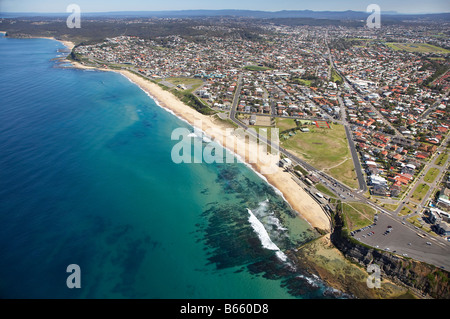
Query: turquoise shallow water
{"x": 86, "y": 178}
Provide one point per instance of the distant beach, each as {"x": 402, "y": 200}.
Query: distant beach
{"x": 293, "y": 193}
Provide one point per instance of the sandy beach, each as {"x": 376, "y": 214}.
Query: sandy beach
{"x": 298, "y": 198}
{"x": 68, "y": 44}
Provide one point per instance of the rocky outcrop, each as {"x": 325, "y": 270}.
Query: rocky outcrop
{"x": 423, "y": 278}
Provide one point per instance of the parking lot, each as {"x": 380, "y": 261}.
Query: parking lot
{"x": 403, "y": 240}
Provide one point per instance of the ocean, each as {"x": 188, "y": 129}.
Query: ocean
{"x": 86, "y": 178}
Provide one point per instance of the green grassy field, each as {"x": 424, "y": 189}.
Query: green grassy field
{"x": 416, "y": 47}
{"x": 256, "y": 68}
{"x": 442, "y": 159}
{"x": 405, "y": 211}
{"x": 413, "y": 220}
{"x": 325, "y": 191}
{"x": 420, "y": 192}
{"x": 431, "y": 175}
{"x": 190, "y": 83}
{"x": 335, "y": 77}
{"x": 325, "y": 149}
{"x": 391, "y": 207}
{"x": 285, "y": 124}
{"x": 437, "y": 58}
{"x": 302, "y": 81}
{"x": 358, "y": 215}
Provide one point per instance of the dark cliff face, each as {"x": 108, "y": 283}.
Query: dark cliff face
{"x": 427, "y": 279}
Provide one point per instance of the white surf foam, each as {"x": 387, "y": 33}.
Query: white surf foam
{"x": 314, "y": 282}
{"x": 264, "y": 237}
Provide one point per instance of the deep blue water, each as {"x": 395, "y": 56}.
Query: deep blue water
{"x": 86, "y": 178}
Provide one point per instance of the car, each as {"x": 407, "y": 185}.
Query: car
{"x": 428, "y": 243}
{"x": 405, "y": 255}
{"x": 403, "y": 223}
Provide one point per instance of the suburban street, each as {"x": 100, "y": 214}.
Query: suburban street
{"x": 420, "y": 181}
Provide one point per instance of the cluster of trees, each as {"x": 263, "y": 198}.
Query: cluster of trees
{"x": 440, "y": 69}
{"x": 96, "y": 30}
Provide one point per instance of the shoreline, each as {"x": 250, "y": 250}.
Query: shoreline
{"x": 293, "y": 194}
{"x": 297, "y": 198}
{"x": 68, "y": 44}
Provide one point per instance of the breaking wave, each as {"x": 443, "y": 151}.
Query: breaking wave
{"x": 264, "y": 237}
